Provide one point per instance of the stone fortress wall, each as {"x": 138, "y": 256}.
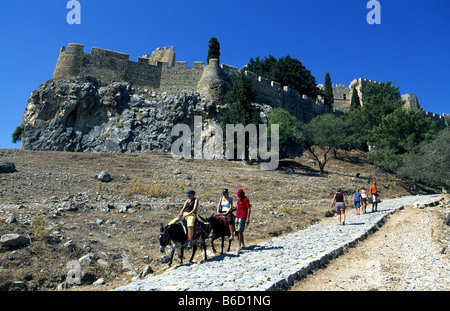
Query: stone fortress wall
{"x": 106, "y": 65}
{"x": 161, "y": 71}
{"x": 158, "y": 71}
{"x": 303, "y": 107}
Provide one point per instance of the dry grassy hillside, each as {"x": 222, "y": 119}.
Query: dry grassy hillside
{"x": 56, "y": 197}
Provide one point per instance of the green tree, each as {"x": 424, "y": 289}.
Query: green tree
{"x": 324, "y": 134}
{"x": 431, "y": 164}
{"x": 287, "y": 71}
{"x": 380, "y": 100}
{"x": 17, "y": 134}
{"x": 355, "y": 103}
{"x": 240, "y": 98}
{"x": 213, "y": 49}
{"x": 289, "y": 135}
{"x": 328, "y": 92}
{"x": 398, "y": 134}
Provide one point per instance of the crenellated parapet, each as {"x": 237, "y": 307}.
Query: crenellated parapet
{"x": 442, "y": 120}
{"x": 161, "y": 71}
{"x": 106, "y": 65}
{"x": 273, "y": 93}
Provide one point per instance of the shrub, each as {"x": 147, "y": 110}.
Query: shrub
{"x": 157, "y": 190}
{"x": 17, "y": 134}
{"x": 40, "y": 232}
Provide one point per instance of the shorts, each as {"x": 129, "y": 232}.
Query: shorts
{"x": 189, "y": 220}
{"x": 340, "y": 207}
{"x": 357, "y": 204}
{"x": 240, "y": 224}
{"x": 230, "y": 218}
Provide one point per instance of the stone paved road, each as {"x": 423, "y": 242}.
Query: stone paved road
{"x": 276, "y": 263}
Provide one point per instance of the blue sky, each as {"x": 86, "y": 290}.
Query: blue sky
{"x": 411, "y": 46}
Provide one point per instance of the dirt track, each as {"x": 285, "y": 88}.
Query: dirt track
{"x": 405, "y": 254}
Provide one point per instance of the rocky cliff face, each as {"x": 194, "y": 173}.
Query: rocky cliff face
{"x": 86, "y": 115}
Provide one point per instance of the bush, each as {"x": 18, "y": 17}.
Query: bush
{"x": 40, "y": 232}
{"x": 399, "y": 133}
{"x": 156, "y": 190}
{"x": 17, "y": 134}
{"x": 431, "y": 164}
{"x": 289, "y": 129}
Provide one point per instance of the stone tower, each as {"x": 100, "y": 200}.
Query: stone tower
{"x": 411, "y": 101}
{"x": 70, "y": 61}
{"x": 213, "y": 83}
{"x": 165, "y": 55}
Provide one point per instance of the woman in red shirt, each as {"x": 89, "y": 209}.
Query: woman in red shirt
{"x": 242, "y": 216}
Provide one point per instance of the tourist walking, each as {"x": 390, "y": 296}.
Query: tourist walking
{"x": 225, "y": 209}
{"x": 189, "y": 214}
{"x": 363, "y": 200}
{"x": 339, "y": 199}
{"x": 357, "y": 201}
{"x": 374, "y": 193}
{"x": 242, "y": 216}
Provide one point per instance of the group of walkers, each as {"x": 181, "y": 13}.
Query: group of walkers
{"x": 225, "y": 209}
{"x": 360, "y": 199}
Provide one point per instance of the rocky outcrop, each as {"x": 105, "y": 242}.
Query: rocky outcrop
{"x": 86, "y": 115}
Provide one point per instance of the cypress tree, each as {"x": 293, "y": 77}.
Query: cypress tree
{"x": 355, "y": 102}
{"x": 213, "y": 49}
{"x": 328, "y": 97}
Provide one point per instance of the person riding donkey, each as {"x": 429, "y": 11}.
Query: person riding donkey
{"x": 189, "y": 214}
{"x": 225, "y": 211}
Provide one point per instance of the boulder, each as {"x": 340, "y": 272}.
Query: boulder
{"x": 100, "y": 281}
{"x": 11, "y": 219}
{"x": 69, "y": 206}
{"x": 123, "y": 208}
{"x": 104, "y": 177}
{"x": 12, "y": 240}
{"x": 330, "y": 213}
{"x": 70, "y": 245}
{"x": 147, "y": 270}
{"x": 86, "y": 260}
{"x": 7, "y": 167}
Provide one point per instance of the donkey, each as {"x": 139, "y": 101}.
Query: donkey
{"x": 220, "y": 230}
{"x": 177, "y": 234}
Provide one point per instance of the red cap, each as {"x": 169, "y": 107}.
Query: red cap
{"x": 239, "y": 191}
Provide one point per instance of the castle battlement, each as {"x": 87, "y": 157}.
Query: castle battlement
{"x": 158, "y": 71}
{"x": 161, "y": 71}
{"x": 276, "y": 95}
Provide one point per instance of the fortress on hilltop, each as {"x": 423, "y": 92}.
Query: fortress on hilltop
{"x": 158, "y": 71}
{"x": 161, "y": 71}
